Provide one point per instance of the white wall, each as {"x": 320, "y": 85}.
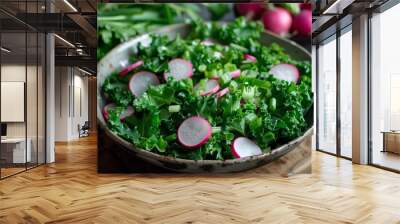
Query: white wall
{"x": 12, "y": 73}
{"x": 71, "y": 102}
{"x": 80, "y": 108}
{"x": 61, "y": 103}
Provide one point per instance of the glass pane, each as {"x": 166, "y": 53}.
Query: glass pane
{"x": 41, "y": 98}
{"x": 314, "y": 73}
{"x": 13, "y": 86}
{"x": 327, "y": 97}
{"x": 385, "y": 84}
{"x": 346, "y": 93}
{"x": 32, "y": 97}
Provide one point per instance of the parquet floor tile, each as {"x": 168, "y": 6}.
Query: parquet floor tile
{"x": 71, "y": 191}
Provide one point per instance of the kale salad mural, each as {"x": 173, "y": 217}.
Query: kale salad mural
{"x": 210, "y": 87}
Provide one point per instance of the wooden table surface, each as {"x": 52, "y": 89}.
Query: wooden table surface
{"x": 71, "y": 191}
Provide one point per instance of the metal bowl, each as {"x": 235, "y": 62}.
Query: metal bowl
{"x": 118, "y": 57}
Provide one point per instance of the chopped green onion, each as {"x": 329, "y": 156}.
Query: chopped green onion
{"x": 238, "y": 47}
{"x": 272, "y": 104}
{"x": 174, "y": 108}
{"x": 202, "y": 68}
{"x": 216, "y": 129}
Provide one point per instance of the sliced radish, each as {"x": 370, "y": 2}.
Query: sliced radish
{"x": 194, "y": 132}
{"x": 129, "y": 68}
{"x": 250, "y": 57}
{"x": 211, "y": 86}
{"x": 140, "y": 82}
{"x": 222, "y": 92}
{"x": 235, "y": 74}
{"x": 106, "y": 115}
{"x": 127, "y": 113}
{"x": 286, "y": 72}
{"x": 244, "y": 147}
{"x": 179, "y": 69}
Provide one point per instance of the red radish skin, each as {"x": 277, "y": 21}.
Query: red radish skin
{"x": 129, "y": 68}
{"x": 302, "y": 23}
{"x": 305, "y": 6}
{"x": 250, "y": 10}
{"x": 179, "y": 69}
{"x": 194, "y": 132}
{"x": 105, "y": 110}
{"x": 222, "y": 92}
{"x": 250, "y": 57}
{"x": 235, "y": 74}
{"x": 286, "y": 72}
{"x": 244, "y": 147}
{"x": 211, "y": 87}
{"x": 277, "y": 20}
{"x": 127, "y": 113}
{"x": 140, "y": 82}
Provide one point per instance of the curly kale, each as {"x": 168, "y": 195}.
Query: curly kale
{"x": 267, "y": 110}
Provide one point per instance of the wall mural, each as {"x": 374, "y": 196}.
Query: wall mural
{"x": 197, "y": 96}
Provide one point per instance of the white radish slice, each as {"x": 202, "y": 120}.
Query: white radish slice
{"x": 179, "y": 69}
{"x": 194, "y": 132}
{"x": 286, "y": 72}
{"x": 244, "y": 147}
{"x": 129, "y": 68}
{"x": 106, "y": 115}
{"x": 140, "y": 82}
{"x": 250, "y": 57}
{"x": 235, "y": 74}
{"x": 127, "y": 113}
{"x": 222, "y": 92}
{"x": 211, "y": 86}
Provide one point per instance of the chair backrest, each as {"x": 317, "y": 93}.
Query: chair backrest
{"x": 86, "y": 125}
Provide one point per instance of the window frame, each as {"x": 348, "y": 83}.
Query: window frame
{"x": 336, "y": 35}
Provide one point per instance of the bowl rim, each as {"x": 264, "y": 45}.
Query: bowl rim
{"x": 156, "y": 156}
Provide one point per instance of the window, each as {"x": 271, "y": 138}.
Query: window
{"x": 346, "y": 92}
{"x": 326, "y": 137}
{"x": 22, "y": 75}
{"x": 385, "y": 89}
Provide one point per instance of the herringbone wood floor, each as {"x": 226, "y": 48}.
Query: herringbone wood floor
{"x": 71, "y": 191}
